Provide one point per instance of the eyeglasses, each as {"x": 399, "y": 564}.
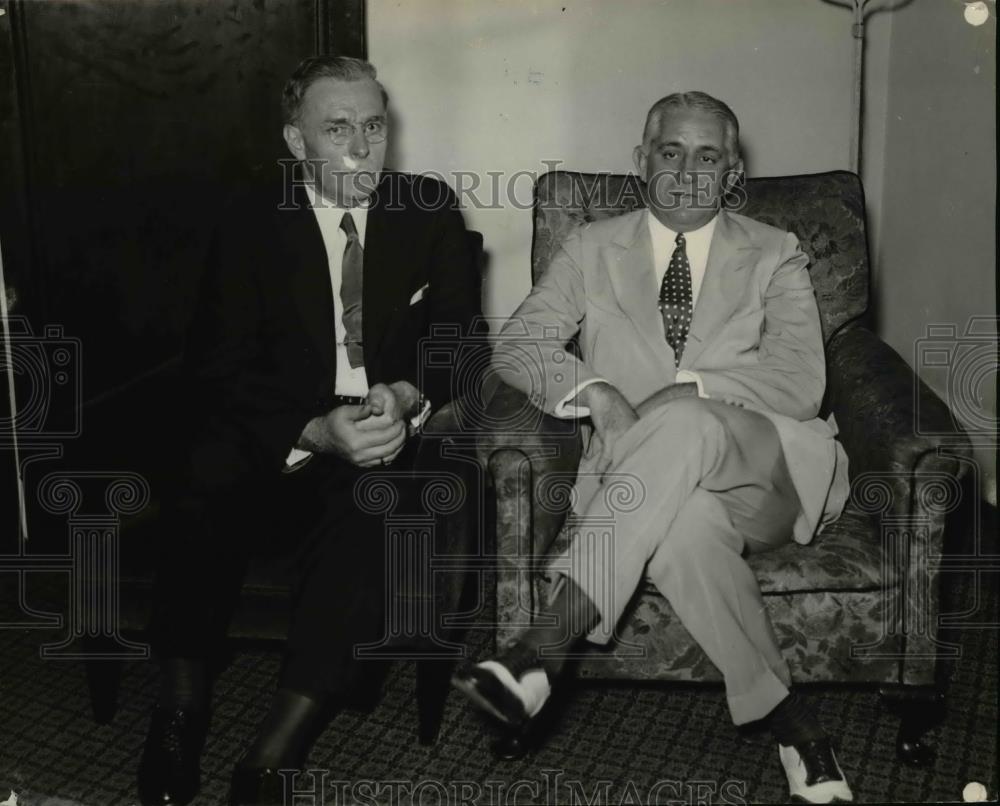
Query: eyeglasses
{"x": 341, "y": 134}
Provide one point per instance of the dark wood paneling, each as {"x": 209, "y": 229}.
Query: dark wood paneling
{"x": 342, "y": 28}
{"x": 142, "y": 115}
{"x": 14, "y": 212}
{"x": 16, "y": 245}
{"x": 123, "y": 126}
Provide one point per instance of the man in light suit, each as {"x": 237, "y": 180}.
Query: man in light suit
{"x": 304, "y": 368}
{"x": 702, "y": 372}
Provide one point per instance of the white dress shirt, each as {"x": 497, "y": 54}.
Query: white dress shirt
{"x": 697, "y": 244}
{"x": 350, "y": 380}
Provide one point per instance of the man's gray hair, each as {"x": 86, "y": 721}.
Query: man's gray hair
{"x": 313, "y": 68}
{"x": 702, "y": 102}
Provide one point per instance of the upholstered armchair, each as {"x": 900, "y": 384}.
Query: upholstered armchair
{"x": 859, "y": 604}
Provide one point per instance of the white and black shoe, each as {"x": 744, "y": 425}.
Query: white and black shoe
{"x": 814, "y": 776}
{"x": 512, "y": 695}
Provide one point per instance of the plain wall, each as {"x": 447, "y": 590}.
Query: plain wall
{"x": 936, "y": 256}
{"x": 484, "y": 85}
{"x": 878, "y": 47}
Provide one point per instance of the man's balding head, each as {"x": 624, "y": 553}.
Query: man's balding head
{"x": 700, "y": 102}
{"x": 315, "y": 68}
{"x": 689, "y": 158}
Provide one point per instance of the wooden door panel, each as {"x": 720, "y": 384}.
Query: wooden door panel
{"x": 142, "y": 117}
{"x": 123, "y": 126}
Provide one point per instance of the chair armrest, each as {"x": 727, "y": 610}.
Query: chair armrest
{"x": 890, "y": 421}
{"x": 513, "y": 422}
{"x": 451, "y": 419}
{"x": 520, "y": 446}
{"x": 902, "y": 440}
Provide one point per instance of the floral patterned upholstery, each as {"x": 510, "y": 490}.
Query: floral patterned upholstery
{"x": 844, "y": 557}
{"x": 838, "y": 605}
{"x": 816, "y": 631}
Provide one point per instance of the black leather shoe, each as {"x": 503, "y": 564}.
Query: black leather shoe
{"x": 252, "y": 786}
{"x": 170, "y": 769}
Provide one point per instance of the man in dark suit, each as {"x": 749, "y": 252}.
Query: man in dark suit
{"x": 701, "y": 370}
{"x": 304, "y": 361}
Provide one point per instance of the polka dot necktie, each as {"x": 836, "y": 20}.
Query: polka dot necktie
{"x": 676, "y": 305}
{"x": 351, "y": 291}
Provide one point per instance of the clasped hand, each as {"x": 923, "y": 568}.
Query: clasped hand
{"x": 613, "y": 415}
{"x": 365, "y": 435}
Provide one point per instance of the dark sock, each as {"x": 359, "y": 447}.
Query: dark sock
{"x": 546, "y": 646}
{"x": 288, "y": 731}
{"x": 793, "y": 721}
{"x": 184, "y": 684}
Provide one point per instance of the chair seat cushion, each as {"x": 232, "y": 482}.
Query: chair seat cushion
{"x": 847, "y": 556}
{"x": 824, "y": 636}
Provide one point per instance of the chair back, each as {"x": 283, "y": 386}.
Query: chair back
{"x": 825, "y": 211}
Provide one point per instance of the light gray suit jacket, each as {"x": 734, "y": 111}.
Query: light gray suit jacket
{"x": 755, "y": 341}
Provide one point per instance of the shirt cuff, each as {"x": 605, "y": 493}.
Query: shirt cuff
{"x": 417, "y": 420}
{"x": 295, "y": 459}
{"x": 687, "y": 376}
{"x": 565, "y": 411}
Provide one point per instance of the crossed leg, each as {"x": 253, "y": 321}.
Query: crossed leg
{"x": 712, "y": 482}
{"x": 709, "y": 483}
{"x": 699, "y": 568}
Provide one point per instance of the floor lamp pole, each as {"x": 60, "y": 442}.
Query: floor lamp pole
{"x": 857, "y": 99}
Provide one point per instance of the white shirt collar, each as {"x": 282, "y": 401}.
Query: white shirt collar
{"x": 329, "y": 214}
{"x": 697, "y": 245}
{"x": 696, "y": 237}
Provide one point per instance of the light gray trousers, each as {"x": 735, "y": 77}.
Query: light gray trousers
{"x": 712, "y": 483}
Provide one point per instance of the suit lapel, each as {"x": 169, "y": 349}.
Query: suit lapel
{"x": 385, "y": 241}
{"x": 310, "y": 283}
{"x": 726, "y": 276}
{"x": 311, "y": 288}
{"x": 630, "y": 267}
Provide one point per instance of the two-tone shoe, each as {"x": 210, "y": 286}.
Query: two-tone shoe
{"x": 511, "y": 692}
{"x": 814, "y": 775}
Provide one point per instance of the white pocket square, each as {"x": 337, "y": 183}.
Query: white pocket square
{"x": 419, "y": 294}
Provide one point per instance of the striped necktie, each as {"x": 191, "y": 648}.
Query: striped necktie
{"x": 351, "y": 280}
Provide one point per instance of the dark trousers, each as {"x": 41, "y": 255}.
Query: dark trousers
{"x": 325, "y": 529}
{"x": 308, "y": 529}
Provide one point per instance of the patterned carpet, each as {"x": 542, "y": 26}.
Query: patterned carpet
{"x": 620, "y": 743}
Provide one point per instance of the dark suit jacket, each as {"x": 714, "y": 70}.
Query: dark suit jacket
{"x": 260, "y": 355}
